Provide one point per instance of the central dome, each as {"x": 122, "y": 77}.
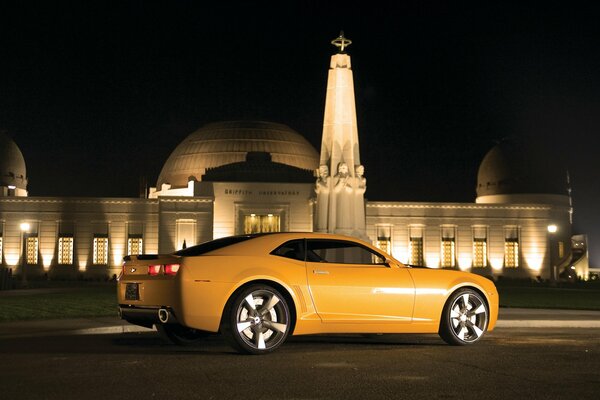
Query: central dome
{"x": 223, "y": 143}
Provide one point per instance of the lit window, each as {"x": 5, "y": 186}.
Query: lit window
{"x": 415, "y": 246}
{"x": 254, "y": 223}
{"x": 479, "y": 253}
{"x": 134, "y": 245}
{"x": 479, "y": 247}
{"x": 384, "y": 239}
{"x": 511, "y": 253}
{"x": 100, "y": 250}
{"x": 448, "y": 256}
{"x": 511, "y": 247}
{"x": 65, "y": 250}
{"x": 32, "y": 250}
{"x": 448, "y": 253}
{"x": 383, "y": 244}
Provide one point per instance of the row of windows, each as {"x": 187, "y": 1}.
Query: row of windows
{"x": 448, "y": 246}
{"x": 479, "y": 256}
{"x": 66, "y": 248}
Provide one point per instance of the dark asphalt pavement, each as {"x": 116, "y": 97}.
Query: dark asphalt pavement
{"x": 507, "y": 364}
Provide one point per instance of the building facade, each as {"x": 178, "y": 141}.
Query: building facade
{"x": 239, "y": 177}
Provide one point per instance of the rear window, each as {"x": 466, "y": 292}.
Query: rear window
{"x": 293, "y": 249}
{"x": 217, "y": 244}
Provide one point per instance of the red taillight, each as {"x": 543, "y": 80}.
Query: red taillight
{"x": 171, "y": 269}
{"x": 168, "y": 269}
{"x": 153, "y": 269}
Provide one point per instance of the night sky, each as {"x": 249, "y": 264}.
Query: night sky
{"x": 98, "y": 94}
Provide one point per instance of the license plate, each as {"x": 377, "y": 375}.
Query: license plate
{"x": 132, "y": 291}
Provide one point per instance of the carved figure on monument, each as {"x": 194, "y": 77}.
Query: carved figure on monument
{"x": 360, "y": 187}
{"x": 322, "y": 189}
{"x": 343, "y": 197}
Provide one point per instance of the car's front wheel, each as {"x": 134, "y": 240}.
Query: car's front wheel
{"x": 464, "y": 318}
{"x": 257, "y": 320}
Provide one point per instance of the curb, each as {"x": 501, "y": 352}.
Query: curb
{"x": 516, "y": 323}
{"x": 109, "y": 330}
{"x": 105, "y": 330}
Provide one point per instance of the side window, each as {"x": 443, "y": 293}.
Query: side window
{"x": 293, "y": 249}
{"x": 341, "y": 252}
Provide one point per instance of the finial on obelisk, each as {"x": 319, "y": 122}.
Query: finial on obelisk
{"x": 341, "y": 42}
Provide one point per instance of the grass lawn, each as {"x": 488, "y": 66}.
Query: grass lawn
{"x": 548, "y": 297}
{"x": 74, "y": 302}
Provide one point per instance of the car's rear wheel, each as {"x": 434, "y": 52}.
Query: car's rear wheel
{"x": 181, "y": 335}
{"x": 464, "y": 318}
{"x": 257, "y": 320}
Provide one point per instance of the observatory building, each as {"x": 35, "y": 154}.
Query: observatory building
{"x": 237, "y": 177}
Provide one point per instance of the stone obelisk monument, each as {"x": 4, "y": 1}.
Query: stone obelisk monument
{"x": 341, "y": 183}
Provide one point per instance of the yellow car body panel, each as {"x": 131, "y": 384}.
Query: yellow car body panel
{"x": 325, "y": 297}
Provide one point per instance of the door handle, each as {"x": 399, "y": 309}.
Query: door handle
{"x": 320, "y": 272}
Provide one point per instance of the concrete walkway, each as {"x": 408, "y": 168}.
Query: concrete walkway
{"x": 509, "y": 318}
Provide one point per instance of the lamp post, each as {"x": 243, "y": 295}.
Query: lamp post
{"x": 24, "y": 229}
{"x": 552, "y": 229}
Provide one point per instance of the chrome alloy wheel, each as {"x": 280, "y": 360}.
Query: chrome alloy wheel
{"x": 468, "y": 316}
{"x": 261, "y": 320}
{"x": 465, "y": 318}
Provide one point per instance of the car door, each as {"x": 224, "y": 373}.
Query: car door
{"x": 351, "y": 283}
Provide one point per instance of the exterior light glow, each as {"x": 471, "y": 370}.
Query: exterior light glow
{"x": 25, "y": 226}
{"x": 432, "y": 260}
{"x": 12, "y": 187}
{"x": 11, "y": 258}
{"x": 253, "y": 215}
{"x": 117, "y": 254}
{"x": 401, "y": 253}
{"x": 269, "y": 215}
{"x": 47, "y": 260}
{"x": 552, "y": 228}
{"x": 464, "y": 262}
{"x": 496, "y": 263}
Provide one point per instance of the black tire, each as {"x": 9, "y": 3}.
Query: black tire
{"x": 257, "y": 320}
{"x": 464, "y": 318}
{"x": 181, "y": 335}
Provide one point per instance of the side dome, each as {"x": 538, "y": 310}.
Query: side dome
{"x": 222, "y": 143}
{"x": 13, "y": 173}
{"x": 518, "y": 171}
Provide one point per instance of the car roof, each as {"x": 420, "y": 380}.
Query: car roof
{"x": 263, "y": 243}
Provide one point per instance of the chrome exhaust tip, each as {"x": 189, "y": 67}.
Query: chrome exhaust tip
{"x": 163, "y": 315}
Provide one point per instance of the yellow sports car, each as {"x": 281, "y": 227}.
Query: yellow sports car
{"x": 258, "y": 289}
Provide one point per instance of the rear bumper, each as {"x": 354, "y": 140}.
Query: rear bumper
{"x": 146, "y": 316}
